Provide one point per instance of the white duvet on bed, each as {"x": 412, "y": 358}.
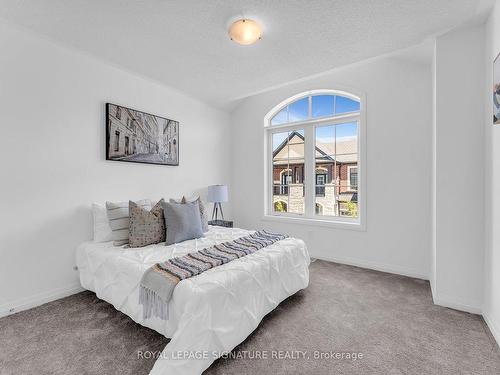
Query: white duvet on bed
{"x": 210, "y": 313}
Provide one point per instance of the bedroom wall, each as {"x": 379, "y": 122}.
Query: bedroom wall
{"x": 53, "y": 162}
{"x": 399, "y": 123}
{"x": 459, "y": 169}
{"x": 491, "y": 308}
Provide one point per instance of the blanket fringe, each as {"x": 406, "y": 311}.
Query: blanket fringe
{"x": 152, "y": 305}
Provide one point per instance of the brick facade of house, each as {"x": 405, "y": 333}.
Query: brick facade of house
{"x": 334, "y": 193}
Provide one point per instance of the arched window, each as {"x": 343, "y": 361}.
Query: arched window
{"x": 315, "y": 157}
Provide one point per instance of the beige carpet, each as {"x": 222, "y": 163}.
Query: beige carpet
{"x": 389, "y": 319}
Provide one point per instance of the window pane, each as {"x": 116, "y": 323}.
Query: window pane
{"x": 346, "y": 138}
{"x": 280, "y": 172}
{"x": 353, "y": 178}
{"x": 280, "y": 144}
{"x": 281, "y": 117}
{"x": 325, "y": 171}
{"x": 299, "y": 110}
{"x": 325, "y": 187}
{"x": 288, "y": 172}
{"x": 344, "y": 105}
{"x": 280, "y": 205}
{"x": 322, "y": 105}
{"x": 325, "y": 140}
{"x": 349, "y": 208}
{"x": 348, "y": 190}
{"x": 296, "y": 147}
{"x": 296, "y": 164}
{"x": 336, "y": 167}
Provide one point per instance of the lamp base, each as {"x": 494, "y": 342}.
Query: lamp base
{"x": 215, "y": 212}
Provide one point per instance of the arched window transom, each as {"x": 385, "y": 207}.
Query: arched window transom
{"x": 315, "y": 107}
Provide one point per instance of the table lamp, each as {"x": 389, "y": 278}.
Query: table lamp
{"x": 217, "y": 194}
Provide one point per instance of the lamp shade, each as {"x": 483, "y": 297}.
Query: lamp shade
{"x": 217, "y": 193}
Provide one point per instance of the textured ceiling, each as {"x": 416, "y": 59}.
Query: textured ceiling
{"x": 184, "y": 43}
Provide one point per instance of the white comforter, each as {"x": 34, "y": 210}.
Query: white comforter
{"x": 210, "y": 313}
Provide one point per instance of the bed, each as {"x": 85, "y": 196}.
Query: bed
{"x": 209, "y": 314}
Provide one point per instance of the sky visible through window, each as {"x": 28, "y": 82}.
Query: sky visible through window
{"x": 321, "y": 106}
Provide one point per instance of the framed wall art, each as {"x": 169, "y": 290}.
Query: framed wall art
{"x": 140, "y": 137}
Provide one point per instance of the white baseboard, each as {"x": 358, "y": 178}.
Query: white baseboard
{"x": 38, "y": 299}
{"x": 450, "y": 303}
{"x": 374, "y": 266}
{"x": 493, "y": 326}
{"x": 447, "y": 301}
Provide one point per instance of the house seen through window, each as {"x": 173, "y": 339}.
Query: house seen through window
{"x": 314, "y": 157}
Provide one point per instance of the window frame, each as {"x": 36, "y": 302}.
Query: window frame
{"x": 309, "y": 217}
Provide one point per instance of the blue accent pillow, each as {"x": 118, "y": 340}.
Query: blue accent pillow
{"x": 182, "y": 221}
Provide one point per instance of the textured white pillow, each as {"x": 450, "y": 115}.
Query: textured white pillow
{"x": 102, "y": 230}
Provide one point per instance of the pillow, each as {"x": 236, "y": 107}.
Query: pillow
{"x": 203, "y": 211}
{"x": 102, "y": 230}
{"x": 119, "y": 220}
{"x": 182, "y": 221}
{"x": 146, "y": 227}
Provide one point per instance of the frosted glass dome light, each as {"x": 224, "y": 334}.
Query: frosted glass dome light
{"x": 245, "y": 31}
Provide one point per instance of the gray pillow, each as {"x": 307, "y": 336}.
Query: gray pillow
{"x": 203, "y": 211}
{"x": 119, "y": 220}
{"x": 182, "y": 221}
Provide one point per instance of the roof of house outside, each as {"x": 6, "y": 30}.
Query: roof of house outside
{"x": 346, "y": 150}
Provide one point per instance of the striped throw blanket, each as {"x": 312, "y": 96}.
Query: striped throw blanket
{"x": 159, "y": 281}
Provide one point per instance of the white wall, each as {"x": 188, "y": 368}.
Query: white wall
{"x": 399, "y": 123}
{"x": 491, "y": 308}
{"x": 53, "y": 162}
{"x": 459, "y": 169}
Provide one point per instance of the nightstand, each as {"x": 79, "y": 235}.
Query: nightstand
{"x": 221, "y": 223}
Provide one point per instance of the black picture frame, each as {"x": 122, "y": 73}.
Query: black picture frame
{"x": 136, "y": 136}
{"x": 496, "y": 90}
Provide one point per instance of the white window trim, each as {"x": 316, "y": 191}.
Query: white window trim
{"x": 310, "y": 217}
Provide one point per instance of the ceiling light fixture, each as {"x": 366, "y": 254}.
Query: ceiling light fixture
{"x": 245, "y": 31}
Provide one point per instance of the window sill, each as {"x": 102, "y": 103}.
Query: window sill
{"x": 336, "y": 224}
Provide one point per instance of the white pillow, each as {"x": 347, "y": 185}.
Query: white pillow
{"x": 102, "y": 230}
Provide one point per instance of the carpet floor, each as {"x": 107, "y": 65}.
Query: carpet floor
{"x": 389, "y": 321}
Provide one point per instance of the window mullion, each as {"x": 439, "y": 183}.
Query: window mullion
{"x": 309, "y": 148}
{"x": 270, "y": 174}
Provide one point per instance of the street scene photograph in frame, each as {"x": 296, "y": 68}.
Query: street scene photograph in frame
{"x": 140, "y": 137}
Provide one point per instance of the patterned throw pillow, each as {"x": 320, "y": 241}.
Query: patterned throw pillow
{"x": 118, "y": 216}
{"x": 146, "y": 227}
{"x": 203, "y": 211}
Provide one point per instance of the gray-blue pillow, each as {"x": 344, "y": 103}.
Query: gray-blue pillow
{"x": 182, "y": 221}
